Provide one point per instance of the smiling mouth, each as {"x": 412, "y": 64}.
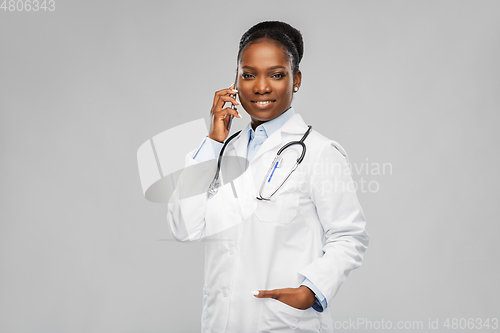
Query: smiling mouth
{"x": 264, "y": 103}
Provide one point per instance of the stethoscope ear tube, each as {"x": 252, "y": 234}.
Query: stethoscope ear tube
{"x": 301, "y": 142}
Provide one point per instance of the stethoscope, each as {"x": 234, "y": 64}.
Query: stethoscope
{"x": 215, "y": 184}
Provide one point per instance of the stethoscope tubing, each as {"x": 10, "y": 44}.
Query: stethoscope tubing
{"x": 214, "y": 185}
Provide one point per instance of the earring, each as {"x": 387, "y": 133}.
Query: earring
{"x": 295, "y": 88}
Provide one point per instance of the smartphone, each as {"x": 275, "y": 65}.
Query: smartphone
{"x": 232, "y": 107}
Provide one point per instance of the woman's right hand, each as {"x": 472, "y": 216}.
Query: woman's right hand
{"x": 219, "y": 116}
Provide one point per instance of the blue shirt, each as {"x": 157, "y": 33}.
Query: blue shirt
{"x": 210, "y": 149}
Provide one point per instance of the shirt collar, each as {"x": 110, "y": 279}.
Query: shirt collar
{"x": 271, "y": 126}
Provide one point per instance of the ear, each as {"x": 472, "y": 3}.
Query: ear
{"x": 297, "y": 79}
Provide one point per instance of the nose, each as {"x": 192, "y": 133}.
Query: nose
{"x": 262, "y": 86}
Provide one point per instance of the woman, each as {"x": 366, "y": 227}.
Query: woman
{"x": 271, "y": 265}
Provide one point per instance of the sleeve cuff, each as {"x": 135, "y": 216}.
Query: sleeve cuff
{"x": 321, "y": 303}
{"x": 209, "y": 150}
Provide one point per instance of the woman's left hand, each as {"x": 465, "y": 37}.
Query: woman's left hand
{"x": 300, "y": 298}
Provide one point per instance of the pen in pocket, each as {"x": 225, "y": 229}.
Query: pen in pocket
{"x": 277, "y": 165}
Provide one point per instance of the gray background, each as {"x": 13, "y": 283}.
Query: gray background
{"x": 411, "y": 83}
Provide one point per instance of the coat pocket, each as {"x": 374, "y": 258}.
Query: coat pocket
{"x": 284, "y": 204}
{"x": 282, "y": 207}
{"x": 277, "y": 316}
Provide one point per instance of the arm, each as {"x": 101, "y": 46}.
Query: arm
{"x": 320, "y": 304}
{"x": 188, "y": 203}
{"x": 342, "y": 219}
{"x": 188, "y": 224}
{"x": 346, "y": 240}
{"x": 209, "y": 150}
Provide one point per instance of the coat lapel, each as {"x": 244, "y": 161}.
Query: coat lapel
{"x": 239, "y": 147}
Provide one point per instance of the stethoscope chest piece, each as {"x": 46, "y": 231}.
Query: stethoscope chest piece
{"x": 213, "y": 188}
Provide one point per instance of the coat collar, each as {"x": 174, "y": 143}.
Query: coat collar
{"x": 271, "y": 126}
{"x": 294, "y": 125}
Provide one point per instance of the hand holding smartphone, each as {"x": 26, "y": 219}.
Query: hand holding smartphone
{"x": 221, "y": 115}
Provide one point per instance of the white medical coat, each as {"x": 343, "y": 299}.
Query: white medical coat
{"x": 314, "y": 227}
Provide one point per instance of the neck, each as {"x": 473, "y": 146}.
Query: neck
{"x": 255, "y": 123}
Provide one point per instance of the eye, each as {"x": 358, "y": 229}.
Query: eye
{"x": 246, "y": 76}
{"x": 278, "y": 75}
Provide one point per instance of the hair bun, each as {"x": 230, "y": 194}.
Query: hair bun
{"x": 285, "y": 28}
{"x": 282, "y": 32}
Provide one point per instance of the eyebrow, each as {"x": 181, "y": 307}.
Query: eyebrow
{"x": 270, "y": 68}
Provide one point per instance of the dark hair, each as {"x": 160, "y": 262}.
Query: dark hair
{"x": 282, "y": 33}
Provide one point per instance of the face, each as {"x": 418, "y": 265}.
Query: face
{"x": 265, "y": 81}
